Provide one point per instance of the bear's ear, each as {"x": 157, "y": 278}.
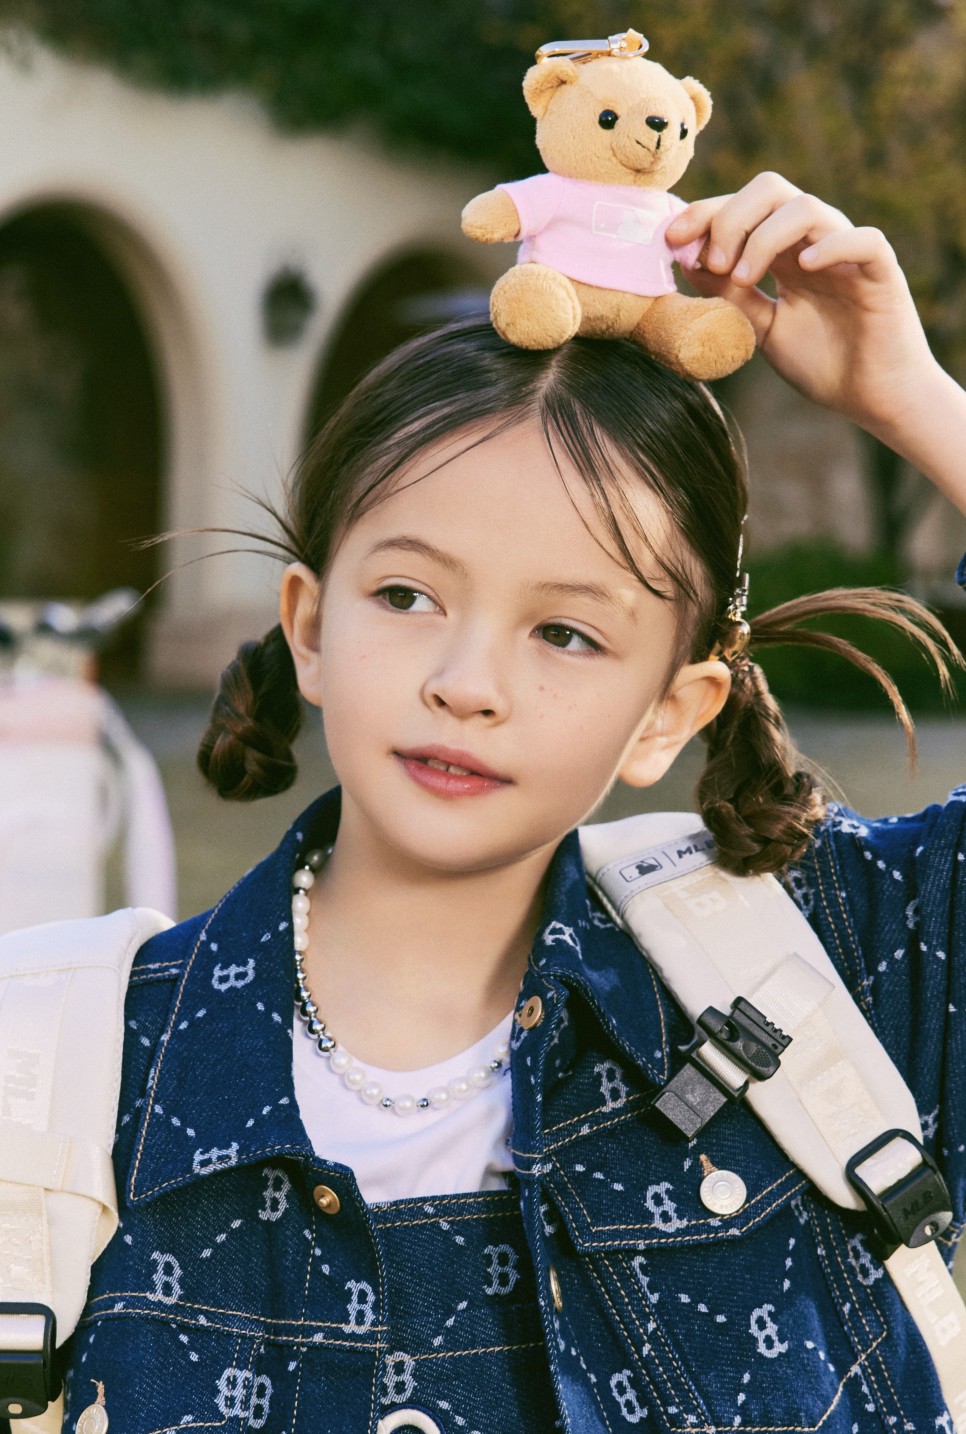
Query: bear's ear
{"x": 541, "y": 82}
{"x": 700, "y": 99}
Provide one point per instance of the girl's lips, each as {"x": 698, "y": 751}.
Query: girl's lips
{"x": 434, "y": 774}
{"x": 442, "y": 758}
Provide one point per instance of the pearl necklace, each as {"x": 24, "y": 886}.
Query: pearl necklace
{"x": 354, "y": 1076}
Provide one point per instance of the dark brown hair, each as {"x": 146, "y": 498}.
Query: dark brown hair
{"x": 618, "y": 416}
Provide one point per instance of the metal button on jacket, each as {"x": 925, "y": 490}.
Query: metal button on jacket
{"x": 531, "y": 1014}
{"x": 723, "y": 1191}
{"x": 556, "y": 1293}
{"x": 327, "y": 1200}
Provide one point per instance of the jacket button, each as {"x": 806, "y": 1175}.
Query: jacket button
{"x": 556, "y": 1293}
{"x": 723, "y": 1192}
{"x": 531, "y": 1014}
{"x": 327, "y": 1200}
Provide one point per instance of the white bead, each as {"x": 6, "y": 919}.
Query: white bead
{"x": 503, "y": 1050}
{"x": 354, "y": 1078}
{"x": 480, "y": 1076}
{"x": 371, "y": 1092}
{"x": 460, "y": 1087}
{"x": 303, "y": 880}
{"x": 440, "y": 1097}
{"x": 404, "y": 1104}
{"x": 300, "y": 921}
{"x": 300, "y": 904}
{"x": 301, "y": 940}
{"x": 340, "y": 1060}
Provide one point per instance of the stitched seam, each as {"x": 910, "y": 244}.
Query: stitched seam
{"x": 829, "y": 1240}
{"x": 628, "y": 1107}
{"x": 212, "y": 1309}
{"x": 305, "y": 1302}
{"x": 644, "y": 1371}
{"x": 807, "y": 1428}
{"x": 669, "y": 1349}
{"x": 299, "y": 1340}
{"x": 488, "y": 1349}
{"x": 450, "y": 1219}
{"x": 684, "y": 1239}
{"x": 164, "y": 1045}
{"x": 177, "y": 961}
{"x": 862, "y": 994}
{"x": 146, "y": 980}
{"x": 856, "y": 1297}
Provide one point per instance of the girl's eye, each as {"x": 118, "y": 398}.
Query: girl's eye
{"x": 405, "y": 599}
{"x": 568, "y": 639}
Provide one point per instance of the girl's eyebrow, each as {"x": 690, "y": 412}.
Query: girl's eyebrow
{"x": 597, "y": 592}
{"x": 424, "y": 549}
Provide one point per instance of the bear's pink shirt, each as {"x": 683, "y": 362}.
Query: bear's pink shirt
{"x": 610, "y": 235}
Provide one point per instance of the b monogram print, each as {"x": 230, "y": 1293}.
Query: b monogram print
{"x": 612, "y": 1087}
{"x": 277, "y": 1186}
{"x": 167, "y": 1279}
{"x": 765, "y": 1330}
{"x": 235, "y": 1401}
{"x": 626, "y": 1395}
{"x": 361, "y": 1307}
{"x": 503, "y": 1270}
{"x": 398, "y": 1381}
{"x": 223, "y": 978}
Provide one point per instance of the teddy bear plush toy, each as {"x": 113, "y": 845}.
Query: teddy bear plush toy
{"x": 616, "y": 132}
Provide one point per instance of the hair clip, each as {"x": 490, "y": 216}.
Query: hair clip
{"x": 627, "y": 46}
{"x": 735, "y": 633}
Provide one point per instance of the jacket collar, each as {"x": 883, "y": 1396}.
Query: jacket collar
{"x": 221, "y": 1091}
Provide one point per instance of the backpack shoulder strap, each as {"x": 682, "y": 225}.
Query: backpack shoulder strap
{"x": 62, "y": 990}
{"x": 836, "y": 1103}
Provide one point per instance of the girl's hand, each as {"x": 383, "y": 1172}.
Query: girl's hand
{"x": 842, "y": 328}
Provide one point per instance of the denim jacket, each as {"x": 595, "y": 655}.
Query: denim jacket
{"x": 249, "y": 1284}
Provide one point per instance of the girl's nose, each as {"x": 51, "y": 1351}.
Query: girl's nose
{"x": 469, "y": 681}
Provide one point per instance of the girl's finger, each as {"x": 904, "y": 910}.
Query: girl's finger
{"x": 696, "y": 219}
{"x": 866, "y": 247}
{"x": 742, "y": 213}
{"x": 803, "y": 220}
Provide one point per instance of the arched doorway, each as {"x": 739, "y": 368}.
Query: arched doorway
{"x": 408, "y": 295}
{"x": 81, "y": 421}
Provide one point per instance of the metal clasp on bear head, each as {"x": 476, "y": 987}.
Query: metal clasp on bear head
{"x": 628, "y": 46}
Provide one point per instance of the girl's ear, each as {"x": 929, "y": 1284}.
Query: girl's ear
{"x": 300, "y": 613}
{"x": 697, "y": 695}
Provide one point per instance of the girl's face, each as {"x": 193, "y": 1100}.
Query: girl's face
{"x": 476, "y": 618}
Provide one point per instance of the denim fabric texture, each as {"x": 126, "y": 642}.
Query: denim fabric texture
{"x": 229, "y": 1299}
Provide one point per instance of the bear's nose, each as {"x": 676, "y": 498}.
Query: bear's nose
{"x": 656, "y": 122}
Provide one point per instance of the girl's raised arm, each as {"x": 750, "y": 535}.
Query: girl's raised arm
{"x": 842, "y": 327}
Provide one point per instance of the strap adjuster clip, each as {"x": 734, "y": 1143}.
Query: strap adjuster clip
{"x": 696, "y": 1092}
{"x": 913, "y": 1209}
{"x": 28, "y": 1379}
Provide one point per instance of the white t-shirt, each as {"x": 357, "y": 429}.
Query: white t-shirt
{"x": 463, "y": 1147}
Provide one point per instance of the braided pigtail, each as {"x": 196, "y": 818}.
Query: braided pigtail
{"x": 246, "y": 751}
{"x": 759, "y": 799}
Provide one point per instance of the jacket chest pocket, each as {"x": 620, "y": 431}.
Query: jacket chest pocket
{"x": 770, "y": 1317}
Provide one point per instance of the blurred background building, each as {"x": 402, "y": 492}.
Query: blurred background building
{"x": 214, "y": 217}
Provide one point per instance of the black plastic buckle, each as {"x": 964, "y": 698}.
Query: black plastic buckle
{"x": 695, "y": 1093}
{"x": 28, "y": 1379}
{"x": 916, "y": 1208}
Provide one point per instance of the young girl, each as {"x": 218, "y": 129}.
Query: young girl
{"x": 514, "y": 582}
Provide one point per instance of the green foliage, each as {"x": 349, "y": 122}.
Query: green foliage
{"x": 864, "y": 103}
{"x": 817, "y": 679}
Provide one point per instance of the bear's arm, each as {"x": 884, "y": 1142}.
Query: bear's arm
{"x": 491, "y": 218}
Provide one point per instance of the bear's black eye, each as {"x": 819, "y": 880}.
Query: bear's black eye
{"x": 607, "y": 119}
{"x": 684, "y": 131}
